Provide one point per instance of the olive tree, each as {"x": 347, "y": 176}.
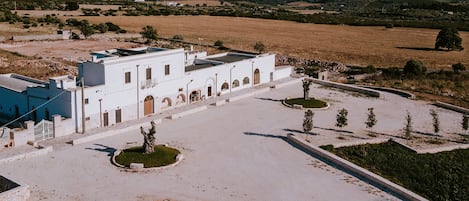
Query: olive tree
{"x": 341, "y": 118}
{"x": 306, "y": 85}
{"x": 371, "y": 120}
{"x": 408, "y": 126}
{"x": 259, "y": 47}
{"x": 148, "y": 32}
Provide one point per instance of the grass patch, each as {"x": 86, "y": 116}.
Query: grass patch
{"x": 161, "y": 157}
{"x": 311, "y": 103}
{"x": 441, "y": 176}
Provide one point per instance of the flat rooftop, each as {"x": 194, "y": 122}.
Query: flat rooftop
{"x": 230, "y": 57}
{"x": 118, "y": 52}
{"x": 19, "y": 83}
{"x": 194, "y": 67}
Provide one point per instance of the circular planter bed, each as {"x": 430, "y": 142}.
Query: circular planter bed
{"x": 311, "y": 103}
{"x": 163, "y": 156}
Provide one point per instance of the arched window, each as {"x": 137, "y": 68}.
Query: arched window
{"x": 225, "y": 86}
{"x": 235, "y": 84}
{"x": 166, "y": 102}
{"x": 245, "y": 80}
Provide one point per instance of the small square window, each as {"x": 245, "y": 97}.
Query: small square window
{"x": 87, "y": 118}
{"x": 87, "y": 101}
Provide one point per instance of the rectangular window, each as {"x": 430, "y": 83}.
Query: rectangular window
{"x": 148, "y": 73}
{"x": 87, "y": 101}
{"x": 127, "y": 77}
{"x": 166, "y": 69}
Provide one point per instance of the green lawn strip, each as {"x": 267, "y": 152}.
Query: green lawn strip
{"x": 441, "y": 176}
{"x": 311, "y": 103}
{"x": 161, "y": 157}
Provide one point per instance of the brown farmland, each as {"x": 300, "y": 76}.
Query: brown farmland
{"x": 347, "y": 44}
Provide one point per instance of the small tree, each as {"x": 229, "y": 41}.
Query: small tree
{"x": 148, "y": 32}
{"x": 458, "y": 67}
{"x": 86, "y": 29}
{"x": 408, "y": 126}
{"x": 218, "y": 43}
{"x": 72, "y": 5}
{"x": 178, "y": 37}
{"x": 414, "y": 68}
{"x": 308, "y": 121}
{"x": 371, "y": 120}
{"x": 259, "y": 47}
{"x": 436, "y": 121}
{"x": 306, "y": 85}
{"x": 448, "y": 38}
{"x": 465, "y": 123}
{"x": 342, "y": 118}
{"x": 102, "y": 28}
{"x": 149, "y": 138}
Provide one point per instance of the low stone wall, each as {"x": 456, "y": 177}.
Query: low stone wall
{"x": 355, "y": 169}
{"x": 188, "y": 112}
{"x": 138, "y": 167}
{"x": 361, "y": 142}
{"x": 433, "y": 150}
{"x": 347, "y": 87}
{"x": 110, "y": 133}
{"x": 41, "y": 151}
{"x": 451, "y": 107}
{"x": 219, "y": 103}
{"x": 19, "y": 193}
{"x": 39, "y": 37}
{"x": 394, "y": 91}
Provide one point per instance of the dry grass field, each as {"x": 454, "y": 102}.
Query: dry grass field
{"x": 347, "y": 44}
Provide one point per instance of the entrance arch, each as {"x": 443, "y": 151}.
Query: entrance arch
{"x": 257, "y": 76}
{"x": 148, "y": 106}
{"x": 181, "y": 98}
{"x": 166, "y": 102}
{"x": 225, "y": 86}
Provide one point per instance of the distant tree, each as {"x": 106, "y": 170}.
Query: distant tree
{"x": 465, "y": 122}
{"x": 436, "y": 121}
{"x": 259, "y": 47}
{"x": 342, "y": 118}
{"x": 178, "y": 37}
{"x": 371, "y": 120}
{"x": 72, "y": 5}
{"x": 102, "y": 28}
{"x": 308, "y": 121}
{"x": 408, "y": 126}
{"x": 218, "y": 43}
{"x": 306, "y": 85}
{"x": 448, "y": 38}
{"x": 86, "y": 29}
{"x": 414, "y": 68}
{"x": 148, "y": 32}
{"x": 112, "y": 27}
{"x": 458, "y": 67}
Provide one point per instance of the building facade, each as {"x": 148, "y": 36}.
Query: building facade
{"x": 127, "y": 84}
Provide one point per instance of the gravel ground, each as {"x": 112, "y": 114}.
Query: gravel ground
{"x": 232, "y": 152}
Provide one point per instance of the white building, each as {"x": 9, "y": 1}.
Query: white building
{"x": 127, "y": 84}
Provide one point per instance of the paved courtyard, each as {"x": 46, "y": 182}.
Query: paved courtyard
{"x": 232, "y": 152}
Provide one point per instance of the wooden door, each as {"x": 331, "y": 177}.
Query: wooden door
{"x": 118, "y": 116}
{"x": 257, "y": 76}
{"x": 148, "y": 106}
{"x": 106, "y": 119}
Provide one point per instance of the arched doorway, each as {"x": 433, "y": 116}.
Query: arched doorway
{"x": 166, "y": 102}
{"x": 225, "y": 86}
{"x": 195, "y": 96}
{"x": 235, "y": 84}
{"x": 245, "y": 80}
{"x": 257, "y": 76}
{"x": 181, "y": 98}
{"x": 148, "y": 106}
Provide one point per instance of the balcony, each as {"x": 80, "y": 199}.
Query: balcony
{"x": 148, "y": 84}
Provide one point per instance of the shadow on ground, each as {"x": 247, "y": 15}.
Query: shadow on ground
{"x": 299, "y": 131}
{"x": 103, "y": 148}
{"x": 422, "y": 49}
